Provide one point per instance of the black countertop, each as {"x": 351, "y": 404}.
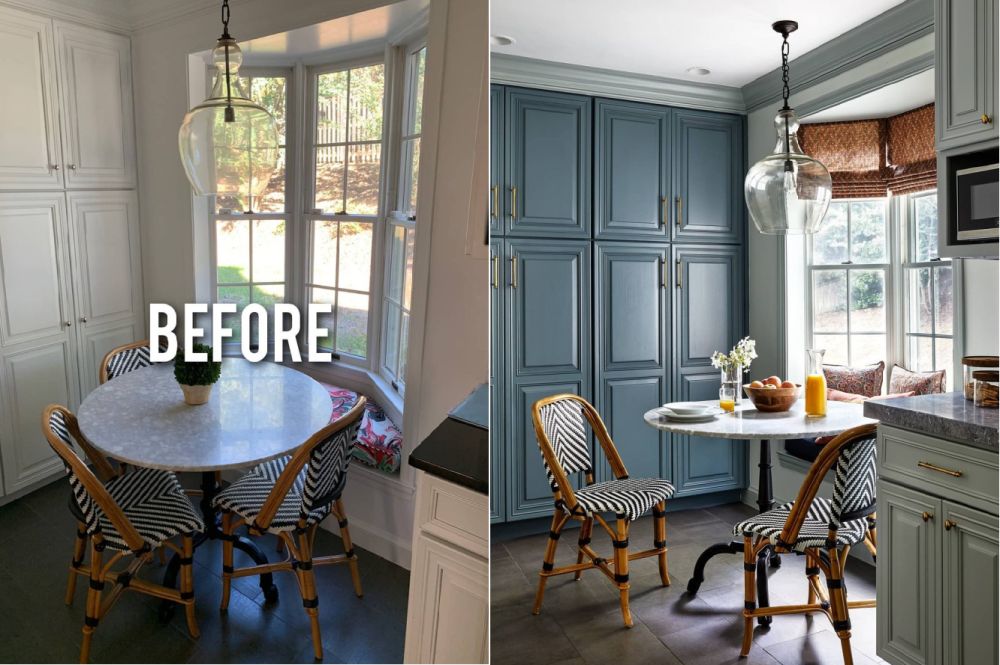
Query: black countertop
{"x": 457, "y": 452}
{"x": 946, "y": 415}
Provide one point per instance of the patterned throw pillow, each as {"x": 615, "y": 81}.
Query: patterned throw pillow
{"x": 380, "y": 442}
{"x": 919, "y": 383}
{"x": 866, "y": 380}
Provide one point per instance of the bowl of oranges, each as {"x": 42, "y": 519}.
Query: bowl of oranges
{"x": 772, "y": 395}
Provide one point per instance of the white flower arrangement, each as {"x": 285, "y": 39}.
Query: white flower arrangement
{"x": 739, "y": 357}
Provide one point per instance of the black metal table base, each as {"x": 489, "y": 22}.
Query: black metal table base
{"x": 765, "y": 501}
{"x": 209, "y": 490}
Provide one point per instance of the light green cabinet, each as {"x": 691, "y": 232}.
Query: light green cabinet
{"x": 938, "y": 556}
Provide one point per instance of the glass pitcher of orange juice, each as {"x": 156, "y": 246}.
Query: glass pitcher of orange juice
{"x": 815, "y": 385}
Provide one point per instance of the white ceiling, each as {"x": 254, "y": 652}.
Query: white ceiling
{"x": 732, "y": 38}
{"x": 896, "y": 98}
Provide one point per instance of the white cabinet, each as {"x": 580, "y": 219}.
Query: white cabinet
{"x": 67, "y": 115}
{"x": 30, "y": 156}
{"x": 448, "y": 613}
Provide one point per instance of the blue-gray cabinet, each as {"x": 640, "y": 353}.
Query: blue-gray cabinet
{"x": 498, "y": 510}
{"x": 631, "y": 170}
{"x": 548, "y": 332}
{"x": 496, "y": 160}
{"x": 708, "y": 170}
{"x": 547, "y": 162}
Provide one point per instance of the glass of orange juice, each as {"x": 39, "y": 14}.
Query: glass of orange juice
{"x": 727, "y": 398}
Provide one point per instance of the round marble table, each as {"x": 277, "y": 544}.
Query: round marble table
{"x": 748, "y": 423}
{"x": 257, "y": 412}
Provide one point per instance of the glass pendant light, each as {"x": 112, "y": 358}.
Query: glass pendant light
{"x": 787, "y": 192}
{"x": 228, "y": 143}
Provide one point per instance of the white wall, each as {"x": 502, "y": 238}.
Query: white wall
{"x": 981, "y": 320}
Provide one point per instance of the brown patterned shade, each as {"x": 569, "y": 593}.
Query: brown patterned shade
{"x": 871, "y": 158}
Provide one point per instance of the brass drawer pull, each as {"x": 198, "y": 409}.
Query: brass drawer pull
{"x": 949, "y": 525}
{"x": 495, "y": 201}
{"x": 513, "y": 203}
{"x": 680, "y": 211}
{"x": 663, "y": 211}
{"x": 940, "y": 469}
{"x": 677, "y": 267}
{"x": 926, "y": 516}
{"x": 513, "y": 272}
{"x": 495, "y": 278}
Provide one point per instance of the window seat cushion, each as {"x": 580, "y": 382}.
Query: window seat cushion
{"x": 379, "y": 442}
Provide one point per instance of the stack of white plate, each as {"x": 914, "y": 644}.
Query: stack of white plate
{"x": 689, "y": 412}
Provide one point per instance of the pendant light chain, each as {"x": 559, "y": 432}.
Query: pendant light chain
{"x": 784, "y": 94}
{"x": 230, "y": 115}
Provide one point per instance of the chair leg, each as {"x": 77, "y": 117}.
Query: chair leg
{"x": 93, "y": 612}
{"x": 345, "y": 536}
{"x": 187, "y": 584}
{"x": 749, "y": 593}
{"x": 621, "y": 566}
{"x": 558, "y": 520}
{"x": 308, "y": 589}
{"x": 585, "y": 531}
{"x": 838, "y": 605}
{"x": 227, "y": 558}
{"x": 811, "y": 571}
{"x": 79, "y": 549}
{"x": 161, "y": 553}
{"x": 660, "y": 539}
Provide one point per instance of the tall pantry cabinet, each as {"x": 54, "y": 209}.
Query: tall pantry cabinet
{"x": 70, "y": 274}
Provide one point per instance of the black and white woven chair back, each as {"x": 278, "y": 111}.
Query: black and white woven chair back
{"x": 326, "y": 471}
{"x": 854, "y": 482}
{"x": 128, "y": 360}
{"x": 563, "y": 424}
{"x": 88, "y": 507}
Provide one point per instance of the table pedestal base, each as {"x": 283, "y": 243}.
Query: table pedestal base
{"x": 209, "y": 490}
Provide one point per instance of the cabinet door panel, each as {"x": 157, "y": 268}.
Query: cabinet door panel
{"x": 95, "y": 343}
{"x": 497, "y": 384}
{"x": 32, "y": 252}
{"x": 497, "y": 190}
{"x": 549, "y": 307}
{"x": 29, "y": 145}
{"x": 644, "y": 450}
{"x": 528, "y": 491}
{"x": 632, "y": 306}
{"x": 966, "y": 74}
{"x": 970, "y": 563}
{"x": 630, "y": 170}
{"x": 97, "y": 107}
{"x": 710, "y": 297}
{"x": 703, "y": 464}
{"x": 908, "y": 578}
{"x": 708, "y": 177}
{"x": 548, "y": 161}
{"x": 30, "y": 379}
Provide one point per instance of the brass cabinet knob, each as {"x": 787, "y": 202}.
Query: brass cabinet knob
{"x": 83, "y": 319}
{"x": 72, "y": 167}
{"x": 949, "y": 525}
{"x": 67, "y": 323}
{"x": 926, "y": 516}
{"x": 985, "y": 119}
{"x": 55, "y": 167}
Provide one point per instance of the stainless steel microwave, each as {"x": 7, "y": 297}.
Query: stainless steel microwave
{"x": 977, "y": 203}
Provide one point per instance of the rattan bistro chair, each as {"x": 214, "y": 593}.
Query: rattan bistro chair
{"x": 129, "y": 514}
{"x": 289, "y": 497}
{"x": 823, "y": 530}
{"x": 565, "y": 446}
{"x": 124, "y": 359}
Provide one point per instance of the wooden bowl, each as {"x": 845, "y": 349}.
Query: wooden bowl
{"x": 773, "y": 400}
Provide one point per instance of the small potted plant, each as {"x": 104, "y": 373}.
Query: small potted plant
{"x": 196, "y": 378}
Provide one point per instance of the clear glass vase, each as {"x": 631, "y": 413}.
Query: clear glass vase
{"x": 732, "y": 379}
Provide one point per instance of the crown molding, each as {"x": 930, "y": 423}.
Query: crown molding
{"x": 890, "y": 30}
{"x": 66, "y": 11}
{"x": 160, "y": 12}
{"x": 513, "y": 70}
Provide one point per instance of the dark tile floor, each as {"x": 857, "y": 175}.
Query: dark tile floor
{"x": 581, "y": 621}
{"x": 36, "y": 536}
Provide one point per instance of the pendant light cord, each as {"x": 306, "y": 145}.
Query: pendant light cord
{"x": 784, "y": 94}
{"x": 230, "y": 115}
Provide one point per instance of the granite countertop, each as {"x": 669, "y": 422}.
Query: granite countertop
{"x": 458, "y": 452}
{"x": 946, "y": 415}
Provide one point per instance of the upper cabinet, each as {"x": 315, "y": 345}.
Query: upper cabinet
{"x": 95, "y": 83}
{"x": 30, "y": 156}
{"x": 966, "y": 71}
{"x": 547, "y": 161}
{"x": 68, "y": 107}
{"x": 708, "y": 171}
{"x": 496, "y": 161}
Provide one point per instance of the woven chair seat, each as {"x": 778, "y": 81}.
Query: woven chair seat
{"x": 815, "y": 528}
{"x": 630, "y": 497}
{"x": 156, "y": 505}
{"x": 246, "y": 497}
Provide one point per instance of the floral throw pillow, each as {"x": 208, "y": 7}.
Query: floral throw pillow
{"x": 379, "y": 442}
{"x": 865, "y": 380}
{"x": 919, "y": 383}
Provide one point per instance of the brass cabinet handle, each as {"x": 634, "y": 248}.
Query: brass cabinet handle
{"x": 513, "y": 272}
{"x": 926, "y": 516}
{"x": 677, "y": 268}
{"x": 679, "y": 203}
{"x": 495, "y": 272}
{"x": 513, "y": 203}
{"x": 985, "y": 119}
{"x": 663, "y": 211}
{"x": 663, "y": 273}
{"x": 949, "y": 525}
{"x": 494, "y": 201}
{"x": 940, "y": 469}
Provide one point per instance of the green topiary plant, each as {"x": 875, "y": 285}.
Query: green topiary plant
{"x": 197, "y": 373}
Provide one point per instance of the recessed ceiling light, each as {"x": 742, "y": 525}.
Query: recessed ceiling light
{"x": 699, "y": 71}
{"x": 501, "y": 40}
